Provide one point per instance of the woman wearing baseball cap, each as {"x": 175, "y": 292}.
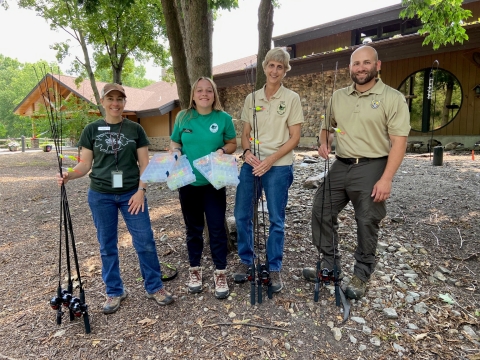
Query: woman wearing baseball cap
{"x": 115, "y": 149}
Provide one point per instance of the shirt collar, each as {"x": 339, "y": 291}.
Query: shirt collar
{"x": 277, "y": 95}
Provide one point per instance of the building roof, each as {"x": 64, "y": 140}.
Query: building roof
{"x": 139, "y": 101}
{"x": 235, "y": 65}
{"x": 155, "y": 99}
{"x": 370, "y": 18}
{"x": 378, "y": 16}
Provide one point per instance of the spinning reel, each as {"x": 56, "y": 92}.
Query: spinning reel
{"x": 262, "y": 280}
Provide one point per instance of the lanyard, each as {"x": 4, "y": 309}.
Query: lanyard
{"x": 115, "y": 145}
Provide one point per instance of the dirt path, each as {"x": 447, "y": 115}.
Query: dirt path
{"x": 429, "y": 247}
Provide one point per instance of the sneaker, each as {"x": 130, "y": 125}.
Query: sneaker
{"x": 310, "y": 274}
{"x": 356, "y": 288}
{"x": 113, "y": 303}
{"x": 240, "y": 274}
{"x": 162, "y": 297}
{"x": 195, "y": 285}
{"x": 221, "y": 285}
{"x": 276, "y": 279}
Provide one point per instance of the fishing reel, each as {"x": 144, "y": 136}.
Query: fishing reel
{"x": 76, "y": 307}
{"x": 74, "y": 304}
{"x": 251, "y": 273}
{"x": 264, "y": 275}
{"x": 325, "y": 277}
{"x": 262, "y": 279}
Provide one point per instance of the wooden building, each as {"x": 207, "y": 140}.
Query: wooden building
{"x": 154, "y": 107}
{"x": 454, "y": 110}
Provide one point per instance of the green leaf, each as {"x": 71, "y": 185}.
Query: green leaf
{"x": 447, "y": 298}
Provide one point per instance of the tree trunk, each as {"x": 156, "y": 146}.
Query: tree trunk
{"x": 91, "y": 75}
{"x": 177, "y": 50}
{"x": 198, "y": 30}
{"x": 265, "y": 30}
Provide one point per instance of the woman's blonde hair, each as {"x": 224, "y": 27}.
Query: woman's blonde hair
{"x": 216, "y": 101}
{"x": 277, "y": 54}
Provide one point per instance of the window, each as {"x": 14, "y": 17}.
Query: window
{"x": 386, "y": 30}
{"x": 427, "y": 114}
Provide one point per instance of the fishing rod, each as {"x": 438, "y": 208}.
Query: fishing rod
{"x": 431, "y": 89}
{"x": 325, "y": 276}
{"x": 64, "y": 298}
{"x": 259, "y": 272}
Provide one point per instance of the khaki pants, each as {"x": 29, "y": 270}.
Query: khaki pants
{"x": 349, "y": 183}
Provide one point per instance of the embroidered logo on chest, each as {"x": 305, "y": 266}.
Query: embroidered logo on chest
{"x": 281, "y": 108}
{"x": 214, "y": 128}
{"x": 375, "y": 104}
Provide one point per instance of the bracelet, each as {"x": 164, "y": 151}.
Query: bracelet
{"x": 245, "y": 151}
{"x": 142, "y": 188}
{"x": 223, "y": 149}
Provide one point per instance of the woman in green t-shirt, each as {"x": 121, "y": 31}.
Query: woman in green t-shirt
{"x": 201, "y": 129}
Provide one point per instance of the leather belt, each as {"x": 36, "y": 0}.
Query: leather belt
{"x": 352, "y": 161}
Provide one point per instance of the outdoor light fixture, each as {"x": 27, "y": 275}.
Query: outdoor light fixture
{"x": 477, "y": 90}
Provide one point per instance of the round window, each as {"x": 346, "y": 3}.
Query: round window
{"x": 434, "y": 97}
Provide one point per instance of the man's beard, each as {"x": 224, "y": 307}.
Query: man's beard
{"x": 370, "y": 75}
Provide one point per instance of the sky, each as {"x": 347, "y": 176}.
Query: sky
{"x": 27, "y": 37}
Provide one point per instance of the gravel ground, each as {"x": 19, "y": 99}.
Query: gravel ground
{"x": 423, "y": 302}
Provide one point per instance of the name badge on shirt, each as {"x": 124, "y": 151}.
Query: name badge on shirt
{"x": 117, "y": 179}
{"x": 105, "y": 128}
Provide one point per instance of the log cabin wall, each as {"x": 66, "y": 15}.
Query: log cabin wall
{"x": 460, "y": 64}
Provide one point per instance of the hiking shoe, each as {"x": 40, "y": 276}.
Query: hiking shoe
{"x": 310, "y": 274}
{"x": 195, "y": 285}
{"x": 221, "y": 285}
{"x": 356, "y": 288}
{"x": 240, "y": 274}
{"x": 276, "y": 279}
{"x": 113, "y": 303}
{"x": 162, "y": 297}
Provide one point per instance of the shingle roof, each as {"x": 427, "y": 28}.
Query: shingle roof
{"x": 151, "y": 97}
{"x": 235, "y": 65}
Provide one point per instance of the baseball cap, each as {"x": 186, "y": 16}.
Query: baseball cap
{"x": 112, "y": 87}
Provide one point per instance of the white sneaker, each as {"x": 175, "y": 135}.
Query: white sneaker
{"x": 221, "y": 285}
{"x": 195, "y": 280}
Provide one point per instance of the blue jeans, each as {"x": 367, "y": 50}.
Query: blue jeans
{"x": 275, "y": 182}
{"x": 104, "y": 209}
{"x": 205, "y": 201}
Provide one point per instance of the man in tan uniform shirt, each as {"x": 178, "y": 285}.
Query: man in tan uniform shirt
{"x": 371, "y": 122}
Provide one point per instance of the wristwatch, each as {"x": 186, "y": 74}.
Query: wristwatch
{"x": 142, "y": 188}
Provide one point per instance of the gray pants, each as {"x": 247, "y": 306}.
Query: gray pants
{"x": 349, "y": 183}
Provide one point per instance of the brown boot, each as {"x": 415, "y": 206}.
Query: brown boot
{"x": 356, "y": 288}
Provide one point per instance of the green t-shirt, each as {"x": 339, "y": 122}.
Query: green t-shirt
{"x": 100, "y": 138}
{"x": 202, "y": 134}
